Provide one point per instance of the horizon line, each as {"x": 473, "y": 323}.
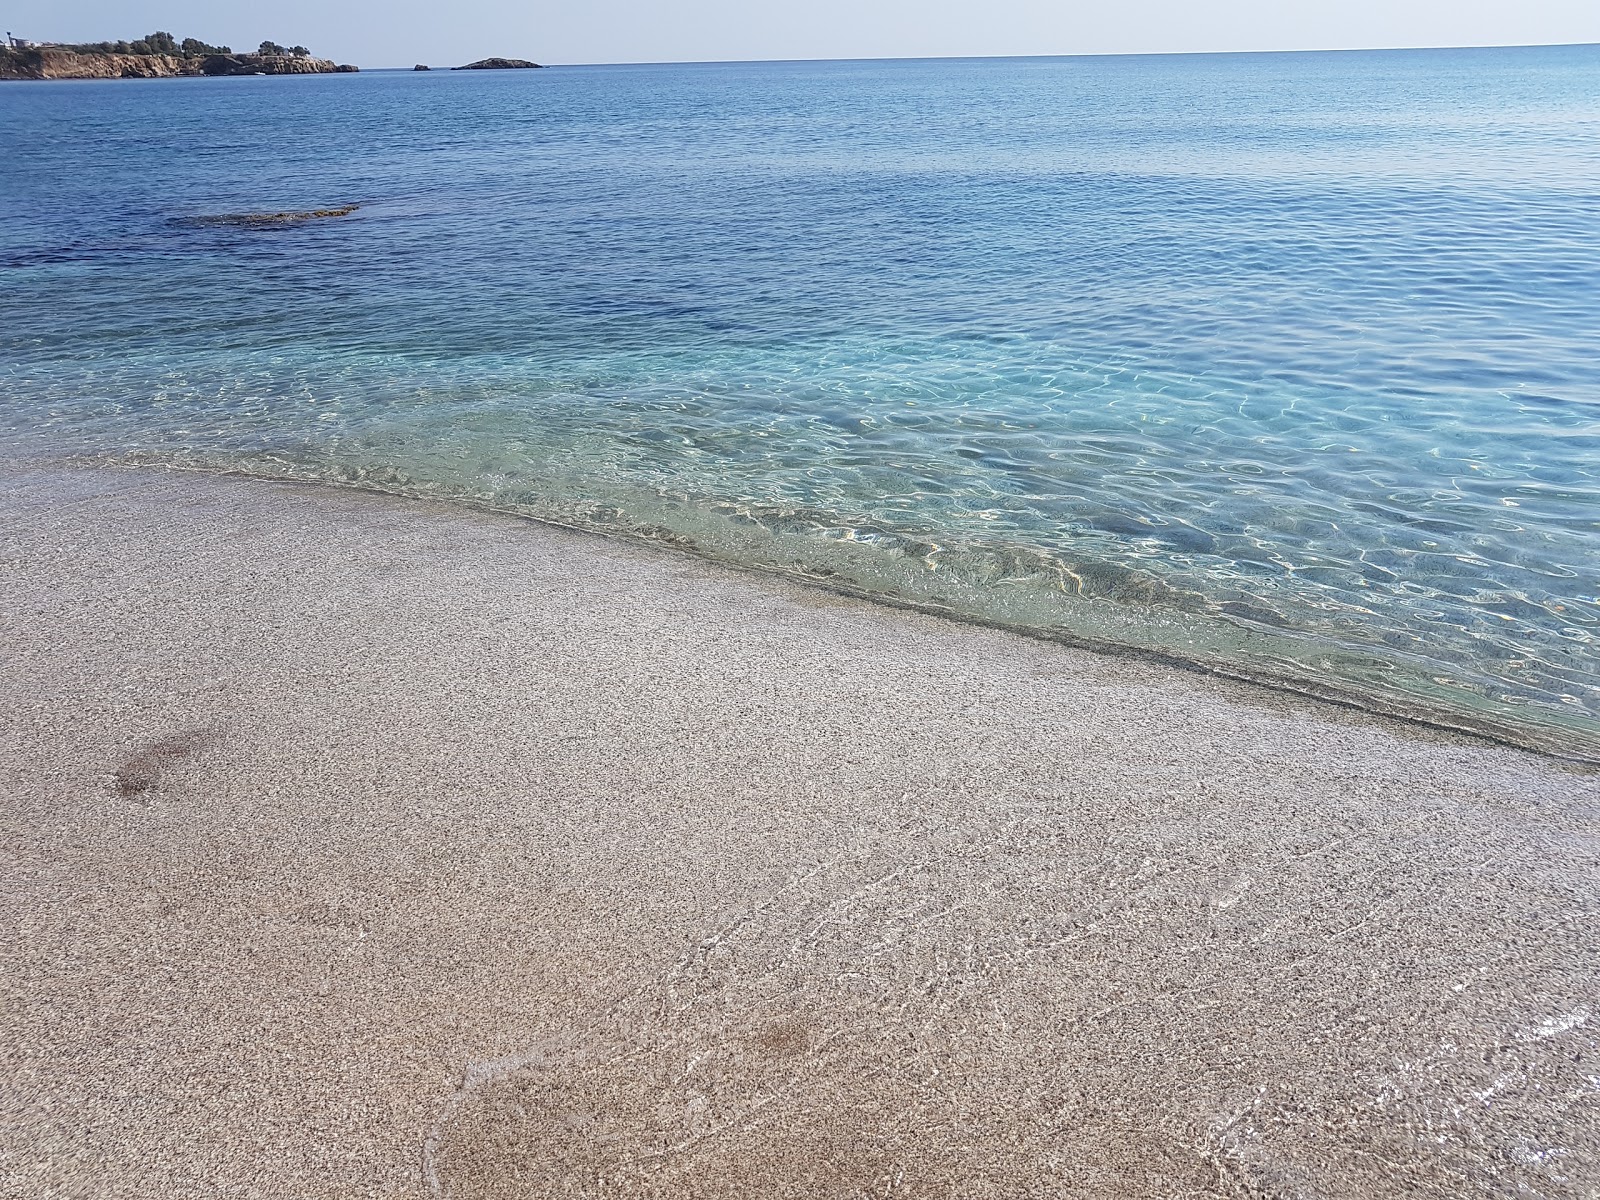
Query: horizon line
{"x": 728, "y": 62}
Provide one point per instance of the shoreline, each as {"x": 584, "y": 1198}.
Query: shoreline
{"x": 1550, "y": 741}
{"x": 385, "y": 847}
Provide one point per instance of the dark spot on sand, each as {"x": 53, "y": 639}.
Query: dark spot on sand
{"x": 782, "y": 1039}
{"x": 326, "y": 914}
{"x": 142, "y": 772}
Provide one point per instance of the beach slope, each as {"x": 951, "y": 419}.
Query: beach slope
{"x": 367, "y": 847}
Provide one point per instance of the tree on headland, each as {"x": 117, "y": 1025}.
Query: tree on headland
{"x": 159, "y": 42}
{"x": 272, "y": 50}
{"x": 299, "y": 52}
{"x": 195, "y": 48}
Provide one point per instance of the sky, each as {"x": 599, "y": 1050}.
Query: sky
{"x": 398, "y": 33}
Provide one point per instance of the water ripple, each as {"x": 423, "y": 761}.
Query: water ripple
{"x": 1277, "y": 364}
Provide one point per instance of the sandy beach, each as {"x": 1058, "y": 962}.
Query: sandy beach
{"x": 361, "y": 847}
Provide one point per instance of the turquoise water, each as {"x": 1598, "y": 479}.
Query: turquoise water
{"x": 1280, "y": 364}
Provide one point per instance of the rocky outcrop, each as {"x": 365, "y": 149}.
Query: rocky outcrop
{"x": 48, "y": 62}
{"x": 496, "y": 64}
{"x": 422, "y": 67}
{"x": 269, "y": 64}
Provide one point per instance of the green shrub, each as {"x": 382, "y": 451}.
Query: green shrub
{"x": 162, "y": 42}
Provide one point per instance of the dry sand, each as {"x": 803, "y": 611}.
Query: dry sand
{"x": 368, "y": 848}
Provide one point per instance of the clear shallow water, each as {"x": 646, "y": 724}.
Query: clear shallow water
{"x": 1282, "y": 364}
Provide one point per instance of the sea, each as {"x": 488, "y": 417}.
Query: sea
{"x": 1280, "y": 366}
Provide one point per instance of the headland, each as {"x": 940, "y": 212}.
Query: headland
{"x": 155, "y": 56}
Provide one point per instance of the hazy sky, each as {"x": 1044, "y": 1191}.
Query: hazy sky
{"x": 375, "y": 34}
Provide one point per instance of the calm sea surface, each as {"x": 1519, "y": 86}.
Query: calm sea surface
{"x": 1284, "y": 364}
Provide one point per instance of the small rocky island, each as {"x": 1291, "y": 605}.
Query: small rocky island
{"x": 497, "y": 64}
{"x": 157, "y": 55}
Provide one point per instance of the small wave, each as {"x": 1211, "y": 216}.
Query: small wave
{"x": 1083, "y": 602}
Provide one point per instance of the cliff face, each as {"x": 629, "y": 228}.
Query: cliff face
{"x": 45, "y": 62}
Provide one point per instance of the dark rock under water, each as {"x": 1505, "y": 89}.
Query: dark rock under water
{"x": 273, "y": 219}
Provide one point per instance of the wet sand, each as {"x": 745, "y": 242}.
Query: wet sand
{"x": 368, "y": 848}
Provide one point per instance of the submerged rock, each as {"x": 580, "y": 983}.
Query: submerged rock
{"x": 269, "y": 220}
{"x": 496, "y": 64}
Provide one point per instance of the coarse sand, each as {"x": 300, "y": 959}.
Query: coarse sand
{"x": 364, "y": 847}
